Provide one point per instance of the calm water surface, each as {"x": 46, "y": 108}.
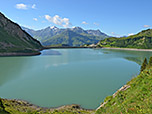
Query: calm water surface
{"x": 68, "y": 76}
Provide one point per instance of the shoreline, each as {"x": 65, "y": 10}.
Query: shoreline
{"x": 18, "y": 54}
{"x": 129, "y": 49}
{"x": 123, "y": 88}
{"x": 64, "y": 47}
{"x": 115, "y": 48}
{"x": 58, "y": 107}
{"x": 33, "y": 105}
{"x": 22, "y": 104}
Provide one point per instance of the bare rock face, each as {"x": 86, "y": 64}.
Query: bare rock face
{"x": 14, "y": 39}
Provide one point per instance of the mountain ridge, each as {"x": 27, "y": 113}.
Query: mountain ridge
{"x": 48, "y": 36}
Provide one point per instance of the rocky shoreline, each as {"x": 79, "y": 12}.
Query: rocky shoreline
{"x": 123, "y": 88}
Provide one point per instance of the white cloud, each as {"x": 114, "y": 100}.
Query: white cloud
{"x": 33, "y": 6}
{"x": 21, "y": 6}
{"x": 85, "y": 23}
{"x": 25, "y": 7}
{"x": 64, "y": 22}
{"x": 146, "y": 26}
{"x": 97, "y": 24}
{"x": 130, "y": 34}
{"x": 35, "y": 19}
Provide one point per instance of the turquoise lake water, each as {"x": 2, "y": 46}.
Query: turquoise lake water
{"x": 68, "y": 76}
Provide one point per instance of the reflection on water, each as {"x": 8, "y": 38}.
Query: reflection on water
{"x": 68, "y": 76}
{"x": 50, "y": 52}
{"x": 135, "y": 56}
{"x": 10, "y": 68}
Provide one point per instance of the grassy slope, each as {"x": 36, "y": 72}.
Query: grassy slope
{"x": 135, "y": 100}
{"x": 142, "y": 40}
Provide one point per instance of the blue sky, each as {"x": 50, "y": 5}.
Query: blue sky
{"x": 114, "y": 17}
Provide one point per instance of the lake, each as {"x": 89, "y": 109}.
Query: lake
{"x": 68, "y": 76}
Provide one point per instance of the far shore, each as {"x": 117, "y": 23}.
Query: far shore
{"x": 130, "y": 49}
{"x": 66, "y": 47}
{"x": 71, "y": 47}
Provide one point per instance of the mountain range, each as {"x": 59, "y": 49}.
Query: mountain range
{"x": 14, "y": 40}
{"x": 75, "y": 36}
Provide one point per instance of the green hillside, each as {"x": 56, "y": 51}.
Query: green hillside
{"x": 14, "y": 40}
{"x": 133, "y": 98}
{"x": 142, "y": 40}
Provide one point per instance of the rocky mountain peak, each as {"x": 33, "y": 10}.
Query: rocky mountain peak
{"x": 53, "y": 27}
{"x": 95, "y": 32}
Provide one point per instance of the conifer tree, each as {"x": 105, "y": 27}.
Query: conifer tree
{"x": 144, "y": 65}
{"x": 150, "y": 62}
{"x": 1, "y": 106}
